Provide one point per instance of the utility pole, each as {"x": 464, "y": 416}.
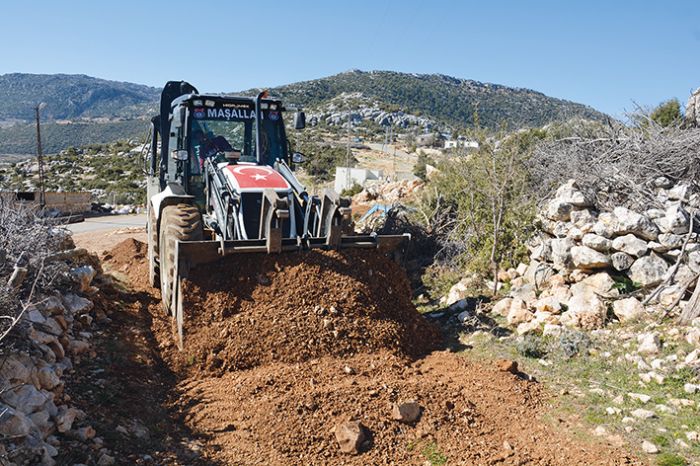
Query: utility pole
{"x": 348, "y": 174}
{"x": 39, "y": 156}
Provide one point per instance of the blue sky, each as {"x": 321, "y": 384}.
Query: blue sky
{"x": 607, "y": 54}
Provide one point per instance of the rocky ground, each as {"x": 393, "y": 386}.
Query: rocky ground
{"x": 597, "y": 308}
{"x": 136, "y": 404}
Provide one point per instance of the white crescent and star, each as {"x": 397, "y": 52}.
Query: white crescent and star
{"x": 257, "y": 176}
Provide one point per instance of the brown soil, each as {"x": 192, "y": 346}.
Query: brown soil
{"x": 256, "y": 309}
{"x": 282, "y": 410}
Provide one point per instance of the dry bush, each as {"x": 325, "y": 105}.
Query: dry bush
{"x": 620, "y": 164}
{"x": 25, "y": 244}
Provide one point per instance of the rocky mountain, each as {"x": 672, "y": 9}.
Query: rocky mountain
{"x": 108, "y": 109}
{"x": 73, "y": 96}
{"x": 448, "y": 100}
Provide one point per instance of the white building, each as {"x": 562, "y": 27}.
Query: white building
{"x": 361, "y": 176}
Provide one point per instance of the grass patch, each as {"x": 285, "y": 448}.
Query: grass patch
{"x": 434, "y": 455}
{"x": 588, "y": 373}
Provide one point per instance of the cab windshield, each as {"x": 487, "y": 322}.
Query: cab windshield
{"x": 217, "y": 130}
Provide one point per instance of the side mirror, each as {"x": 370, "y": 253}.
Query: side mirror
{"x": 180, "y": 154}
{"x": 299, "y": 120}
{"x": 298, "y": 157}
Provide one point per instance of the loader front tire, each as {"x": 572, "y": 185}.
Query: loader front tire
{"x": 152, "y": 231}
{"x": 178, "y": 222}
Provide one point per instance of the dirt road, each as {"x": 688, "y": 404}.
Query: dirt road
{"x": 99, "y": 234}
{"x": 323, "y": 356}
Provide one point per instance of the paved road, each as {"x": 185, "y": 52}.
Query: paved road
{"x": 108, "y": 222}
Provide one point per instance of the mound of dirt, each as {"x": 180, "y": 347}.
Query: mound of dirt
{"x": 286, "y": 413}
{"x": 250, "y": 310}
{"x": 129, "y": 257}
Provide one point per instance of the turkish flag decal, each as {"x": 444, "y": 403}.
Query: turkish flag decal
{"x": 256, "y": 178}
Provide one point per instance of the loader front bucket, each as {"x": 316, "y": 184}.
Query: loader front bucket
{"x": 194, "y": 254}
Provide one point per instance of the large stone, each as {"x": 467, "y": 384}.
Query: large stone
{"x": 542, "y": 251}
{"x": 586, "y": 258}
{"x": 597, "y": 242}
{"x": 48, "y": 378}
{"x": 628, "y": 309}
{"x": 621, "y": 261}
{"x": 558, "y": 210}
{"x": 502, "y": 307}
{"x": 538, "y": 273}
{"x": 518, "y": 313}
{"x": 648, "y": 270}
{"x": 16, "y": 369}
{"x": 25, "y": 398}
{"x": 694, "y": 261}
{"x": 65, "y": 418}
{"x": 83, "y": 276}
{"x": 631, "y": 245}
{"x": 548, "y": 304}
{"x": 583, "y": 219}
{"x": 606, "y": 225}
{"x": 628, "y": 221}
{"x": 670, "y": 241}
{"x": 51, "y": 305}
{"x": 14, "y": 423}
{"x": 407, "y": 412}
{"x": 571, "y": 193}
{"x": 77, "y": 304}
{"x": 526, "y": 293}
{"x": 350, "y": 436}
{"x": 676, "y": 220}
{"x": 561, "y": 252}
{"x": 649, "y": 343}
{"x": 600, "y": 283}
{"x": 586, "y": 310}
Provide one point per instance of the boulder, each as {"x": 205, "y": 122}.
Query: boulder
{"x": 538, "y": 273}
{"x": 670, "y": 241}
{"x": 14, "y": 423}
{"x": 502, "y": 307}
{"x": 524, "y": 293}
{"x": 628, "y": 309}
{"x": 597, "y": 242}
{"x": 621, "y": 261}
{"x": 561, "y": 252}
{"x": 552, "y": 330}
{"x": 558, "y": 210}
{"x": 518, "y": 313}
{"x": 606, "y": 225}
{"x": 631, "y": 245}
{"x": 532, "y": 326}
{"x": 460, "y": 290}
{"x": 48, "y": 378}
{"x": 679, "y": 192}
{"x": 16, "y": 369}
{"x": 648, "y": 271}
{"x": 25, "y": 398}
{"x": 83, "y": 276}
{"x": 628, "y": 221}
{"x": 586, "y": 310}
{"x": 65, "y": 418}
{"x": 571, "y": 193}
{"x": 542, "y": 251}
{"x": 548, "y": 304}
{"x": 407, "y": 412}
{"x": 586, "y": 258}
{"x": 582, "y": 219}
{"x": 649, "y": 343}
{"x": 77, "y": 304}
{"x": 350, "y": 436}
{"x": 694, "y": 261}
{"x": 676, "y": 220}
{"x": 600, "y": 283}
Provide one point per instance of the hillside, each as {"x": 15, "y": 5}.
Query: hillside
{"x": 448, "y": 100}
{"x": 102, "y": 111}
{"x": 73, "y": 96}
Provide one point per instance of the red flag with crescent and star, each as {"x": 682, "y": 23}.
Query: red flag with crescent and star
{"x": 256, "y": 178}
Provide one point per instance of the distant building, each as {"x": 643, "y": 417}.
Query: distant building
{"x": 361, "y": 176}
{"x": 64, "y": 202}
{"x": 425, "y": 140}
{"x": 461, "y": 142}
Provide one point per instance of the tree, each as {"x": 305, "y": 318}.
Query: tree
{"x": 667, "y": 113}
{"x": 420, "y": 169}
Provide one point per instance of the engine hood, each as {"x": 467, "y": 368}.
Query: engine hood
{"x": 246, "y": 178}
